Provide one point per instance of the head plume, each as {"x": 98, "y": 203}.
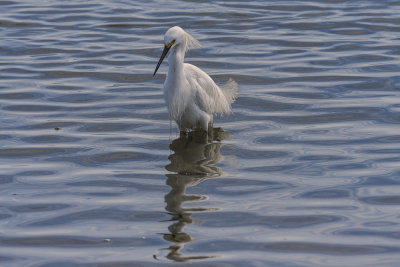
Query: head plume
{"x": 176, "y": 36}
{"x": 191, "y": 42}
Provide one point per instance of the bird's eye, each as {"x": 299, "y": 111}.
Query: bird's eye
{"x": 171, "y": 43}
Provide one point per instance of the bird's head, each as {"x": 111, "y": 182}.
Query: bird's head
{"x": 176, "y": 36}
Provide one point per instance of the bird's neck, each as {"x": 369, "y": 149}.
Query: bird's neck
{"x": 176, "y": 93}
{"x": 176, "y": 60}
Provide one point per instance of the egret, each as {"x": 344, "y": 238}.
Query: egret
{"x": 191, "y": 96}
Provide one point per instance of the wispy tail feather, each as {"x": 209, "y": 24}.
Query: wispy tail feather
{"x": 230, "y": 90}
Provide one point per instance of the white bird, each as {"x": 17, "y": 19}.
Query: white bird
{"x": 192, "y": 97}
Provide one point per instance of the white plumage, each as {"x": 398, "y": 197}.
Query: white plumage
{"x": 192, "y": 97}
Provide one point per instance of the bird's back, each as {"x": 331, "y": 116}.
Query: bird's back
{"x": 208, "y": 96}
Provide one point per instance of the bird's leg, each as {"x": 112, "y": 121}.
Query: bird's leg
{"x": 188, "y": 141}
{"x": 210, "y": 132}
{"x": 204, "y": 135}
{"x": 183, "y": 133}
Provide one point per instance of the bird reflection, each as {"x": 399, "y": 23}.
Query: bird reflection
{"x": 192, "y": 162}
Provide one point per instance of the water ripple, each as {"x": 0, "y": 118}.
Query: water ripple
{"x": 304, "y": 172}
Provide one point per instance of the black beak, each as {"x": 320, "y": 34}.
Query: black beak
{"x": 164, "y": 53}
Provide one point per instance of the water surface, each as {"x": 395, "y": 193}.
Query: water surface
{"x": 304, "y": 173}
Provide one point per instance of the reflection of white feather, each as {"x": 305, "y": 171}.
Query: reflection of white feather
{"x": 197, "y": 160}
{"x": 195, "y": 156}
{"x": 192, "y": 162}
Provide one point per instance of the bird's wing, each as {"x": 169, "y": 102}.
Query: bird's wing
{"x": 207, "y": 95}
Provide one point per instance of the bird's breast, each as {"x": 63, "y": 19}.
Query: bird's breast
{"x": 176, "y": 99}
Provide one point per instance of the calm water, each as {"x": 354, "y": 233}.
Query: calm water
{"x": 306, "y": 171}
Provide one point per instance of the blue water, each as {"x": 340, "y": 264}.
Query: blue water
{"x": 304, "y": 173}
